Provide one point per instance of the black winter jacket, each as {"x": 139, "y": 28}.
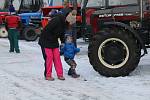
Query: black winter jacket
{"x": 55, "y": 29}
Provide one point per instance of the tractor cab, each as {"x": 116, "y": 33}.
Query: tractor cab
{"x": 30, "y": 6}
{"x": 113, "y": 10}
{"x": 30, "y": 13}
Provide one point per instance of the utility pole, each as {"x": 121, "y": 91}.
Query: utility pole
{"x": 50, "y": 2}
{"x": 140, "y": 2}
{"x": 106, "y": 3}
{"x": 75, "y": 4}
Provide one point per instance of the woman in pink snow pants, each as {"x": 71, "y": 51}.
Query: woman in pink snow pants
{"x": 50, "y": 46}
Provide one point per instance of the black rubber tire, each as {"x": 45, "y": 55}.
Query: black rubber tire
{"x": 133, "y": 49}
{"x": 3, "y": 32}
{"x": 29, "y": 34}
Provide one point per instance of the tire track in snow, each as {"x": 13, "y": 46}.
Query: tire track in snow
{"x": 27, "y": 86}
{"x": 51, "y": 91}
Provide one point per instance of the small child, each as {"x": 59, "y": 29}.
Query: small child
{"x": 69, "y": 50}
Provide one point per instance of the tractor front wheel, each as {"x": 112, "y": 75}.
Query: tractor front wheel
{"x": 3, "y": 32}
{"x": 29, "y": 34}
{"x": 114, "y": 53}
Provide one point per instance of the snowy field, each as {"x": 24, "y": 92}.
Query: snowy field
{"x": 21, "y": 78}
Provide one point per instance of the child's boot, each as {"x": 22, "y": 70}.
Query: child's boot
{"x": 75, "y": 75}
{"x": 72, "y": 72}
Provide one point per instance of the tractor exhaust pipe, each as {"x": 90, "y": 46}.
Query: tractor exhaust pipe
{"x": 75, "y": 4}
{"x": 83, "y": 12}
{"x": 141, "y": 10}
{"x": 106, "y": 3}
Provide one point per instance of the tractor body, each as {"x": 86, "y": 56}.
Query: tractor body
{"x": 119, "y": 35}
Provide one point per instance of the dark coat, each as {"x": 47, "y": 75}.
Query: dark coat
{"x": 54, "y": 30}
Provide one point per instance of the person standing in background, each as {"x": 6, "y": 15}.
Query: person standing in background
{"x": 11, "y": 8}
{"x": 71, "y": 18}
{"x": 66, "y": 9}
{"x": 12, "y": 24}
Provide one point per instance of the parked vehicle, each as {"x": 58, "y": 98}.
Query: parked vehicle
{"x": 31, "y": 25}
{"x": 29, "y": 11}
{"x": 119, "y": 35}
{"x": 30, "y": 14}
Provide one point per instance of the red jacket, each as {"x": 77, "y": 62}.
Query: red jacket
{"x": 12, "y": 21}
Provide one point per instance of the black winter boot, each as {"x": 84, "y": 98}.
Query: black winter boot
{"x": 72, "y": 72}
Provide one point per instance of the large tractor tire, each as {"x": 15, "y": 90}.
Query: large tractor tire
{"x": 3, "y": 32}
{"x": 29, "y": 34}
{"x": 114, "y": 53}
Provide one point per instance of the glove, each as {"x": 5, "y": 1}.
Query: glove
{"x": 61, "y": 49}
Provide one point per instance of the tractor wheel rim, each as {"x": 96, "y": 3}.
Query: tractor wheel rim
{"x": 115, "y": 42}
{"x": 31, "y": 34}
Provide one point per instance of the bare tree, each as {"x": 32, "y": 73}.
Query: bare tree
{"x": 6, "y": 4}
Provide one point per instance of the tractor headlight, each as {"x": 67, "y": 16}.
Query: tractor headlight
{"x": 135, "y": 24}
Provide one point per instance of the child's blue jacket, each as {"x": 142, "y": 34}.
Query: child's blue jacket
{"x": 69, "y": 50}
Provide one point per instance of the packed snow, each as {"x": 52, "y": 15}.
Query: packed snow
{"x": 21, "y": 78}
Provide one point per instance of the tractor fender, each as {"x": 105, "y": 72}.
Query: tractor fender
{"x": 26, "y": 26}
{"x": 31, "y": 25}
{"x": 119, "y": 24}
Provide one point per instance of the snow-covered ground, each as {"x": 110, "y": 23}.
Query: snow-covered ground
{"x": 21, "y": 78}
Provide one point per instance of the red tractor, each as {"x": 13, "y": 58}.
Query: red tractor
{"x": 118, "y": 32}
{"x": 3, "y": 31}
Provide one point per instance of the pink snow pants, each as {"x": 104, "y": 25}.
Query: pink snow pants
{"x": 53, "y": 56}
